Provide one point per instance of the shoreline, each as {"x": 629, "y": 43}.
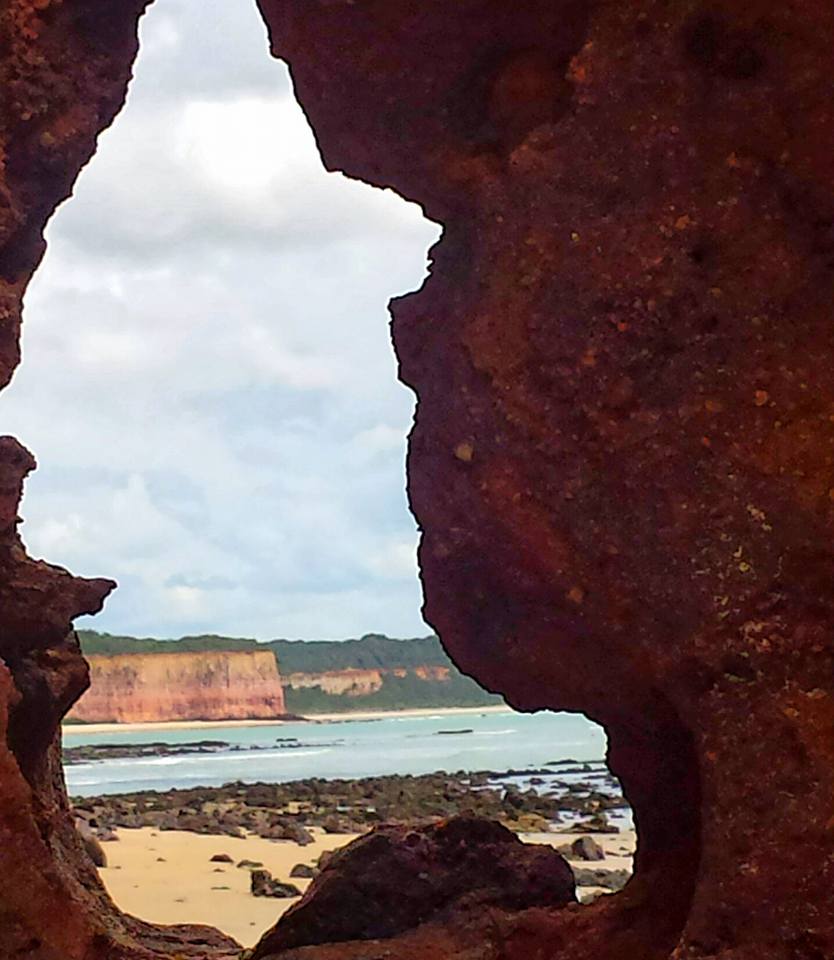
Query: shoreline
{"x": 68, "y": 729}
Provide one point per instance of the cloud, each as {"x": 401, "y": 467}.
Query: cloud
{"x": 208, "y": 381}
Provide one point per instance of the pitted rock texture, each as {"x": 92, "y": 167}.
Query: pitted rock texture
{"x": 622, "y": 459}
{"x": 63, "y": 72}
{"x": 623, "y": 450}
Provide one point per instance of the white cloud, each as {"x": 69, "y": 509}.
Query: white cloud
{"x": 396, "y": 560}
{"x": 380, "y": 438}
{"x": 208, "y": 380}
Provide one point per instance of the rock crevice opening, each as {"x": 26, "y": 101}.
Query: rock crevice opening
{"x": 621, "y": 461}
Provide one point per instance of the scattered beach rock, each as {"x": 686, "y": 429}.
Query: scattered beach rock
{"x": 287, "y": 811}
{"x": 597, "y": 824}
{"x": 221, "y": 858}
{"x": 249, "y": 864}
{"x": 334, "y": 824}
{"x": 263, "y": 884}
{"x": 612, "y": 880}
{"x": 396, "y": 877}
{"x": 303, "y": 871}
{"x": 94, "y": 849}
{"x": 299, "y": 834}
{"x": 586, "y": 848}
{"x": 92, "y": 752}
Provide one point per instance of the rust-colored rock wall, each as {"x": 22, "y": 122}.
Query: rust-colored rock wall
{"x": 137, "y": 688}
{"x": 624, "y": 449}
{"x": 622, "y": 459}
{"x": 63, "y": 74}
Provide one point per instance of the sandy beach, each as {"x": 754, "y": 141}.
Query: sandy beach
{"x": 69, "y": 729}
{"x": 168, "y": 876}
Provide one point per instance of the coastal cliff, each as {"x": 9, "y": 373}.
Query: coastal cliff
{"x": 214, "y": 685}
{"x": 361, "y": 683}
{"x": 373, "y": 672}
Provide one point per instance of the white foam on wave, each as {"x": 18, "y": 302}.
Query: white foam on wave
{"x": 230, "y": 756}
{"x": 434, "y": 716}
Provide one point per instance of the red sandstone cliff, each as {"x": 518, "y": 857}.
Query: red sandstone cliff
{"x": 133, "y": 688}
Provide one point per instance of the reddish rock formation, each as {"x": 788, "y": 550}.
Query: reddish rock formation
{"x": 622, "y": 461}
{"x": 135, "y": 687}
{"x": 63, "y": 71}
{"x": 52, "y": 905}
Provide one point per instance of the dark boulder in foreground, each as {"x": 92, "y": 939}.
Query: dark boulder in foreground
{"x": 397, "y": 877}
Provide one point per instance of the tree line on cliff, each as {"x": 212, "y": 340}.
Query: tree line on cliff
{"x": 401, "y": 690}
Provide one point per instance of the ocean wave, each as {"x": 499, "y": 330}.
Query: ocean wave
{"x": 434, "y": 716}
{"x": 135, "y": 764}
{"x": 241, "y": 757}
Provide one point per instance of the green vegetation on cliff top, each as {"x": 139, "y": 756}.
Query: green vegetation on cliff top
{"x": 372, "y": 651}
{"x": 294, "y": 656}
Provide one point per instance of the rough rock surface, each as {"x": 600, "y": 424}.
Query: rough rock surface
{"x": 63, "y": 72}
{"x": 217, "y": 685}
{"x": 622, "y": 457}
{"x": 395, "y": 878}
{"x": 622, "y": 461}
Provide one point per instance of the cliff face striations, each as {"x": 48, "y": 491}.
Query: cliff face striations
{"x": 622, "y": 457}
{"x": 182, "y": 686}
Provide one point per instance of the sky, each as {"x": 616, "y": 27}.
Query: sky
{"x": 208, "y": 382}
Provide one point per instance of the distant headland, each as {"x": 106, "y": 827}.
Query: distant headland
{"x": 209, "y": 677}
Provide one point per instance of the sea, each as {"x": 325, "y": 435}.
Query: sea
{"x": 555, "y": 748}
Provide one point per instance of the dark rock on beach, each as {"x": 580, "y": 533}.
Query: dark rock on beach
{"x": 287, "y": 811}
{"x": 263, "y": 884}
{"x": 94, "y": 849}
{"x": 586, "y": 848}
{"x": 118, "y": 751}
{"x": 397, "y": 877}
{"x": 612, "y": 880}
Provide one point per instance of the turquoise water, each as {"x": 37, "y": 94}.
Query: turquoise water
{"x": 341, "y": 749}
